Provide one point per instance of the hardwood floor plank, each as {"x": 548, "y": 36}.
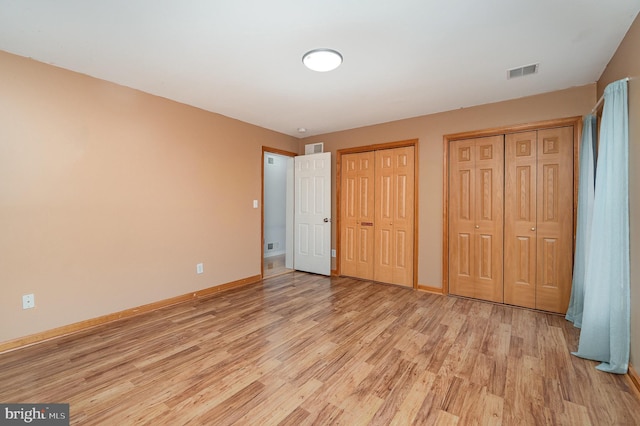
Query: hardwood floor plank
{"x": 439, "y": 352}
{"x": 411, "y": 344}
{"x": 454, "y": 396}
{"x": 297, "y": 417}
{"x": 492, "y": 411}
{"x": 574, "y": 414}
{"x": 443, "y": 418}
{"x": 412, "y": 402}
{"x": 473, "y": 404}
{"x": 281, "y": 403}
{"x": 433, "y": 401}
{"x": 524, "y": 326}
{"x": 329, "y": 414}
{"x": 391, "y": 405}
{"x": 333, "y": 392}
{"x": 237, "y": 405}
{"x": 311, "y": 350}
{"x": 360, "y": 409}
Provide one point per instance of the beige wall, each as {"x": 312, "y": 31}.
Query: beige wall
{"x": 429, "y": 130}
{"x": 626, "y": 63}
{"x": 109, "y": 197}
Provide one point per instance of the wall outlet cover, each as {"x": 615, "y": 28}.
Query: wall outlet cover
{"x": 28, "y": 301}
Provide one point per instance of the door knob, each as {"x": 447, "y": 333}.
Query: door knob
{"x": 477, "y": 226}
{"x": 533, "y": 228}
{"x": 326, "y": 219}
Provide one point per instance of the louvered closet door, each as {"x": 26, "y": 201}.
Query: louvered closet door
{"x": 539, "y": 218}
{"x": 357, "y": 218}
{"x": 476, "y": 184}
{"x": 394, "y": 215}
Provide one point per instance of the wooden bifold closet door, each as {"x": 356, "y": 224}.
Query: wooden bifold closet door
{"x": 377, "y": 215}
{"x": 357, "y": 233}
{"x": 511, "y": 218}
{"x": 476, "y": 217}
{"x": 539, "y": 219}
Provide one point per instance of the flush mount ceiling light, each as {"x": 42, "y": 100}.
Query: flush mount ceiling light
{"x": 322, "y": 60}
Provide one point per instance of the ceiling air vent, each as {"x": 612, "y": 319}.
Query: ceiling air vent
{"x": 522, "y": 71}
{"x": 314, "y": 148}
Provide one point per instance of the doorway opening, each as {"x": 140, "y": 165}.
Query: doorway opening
{"x": 277, "y": 199}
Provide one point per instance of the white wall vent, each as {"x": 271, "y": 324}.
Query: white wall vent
{"x": 522, "y": 71}
{"x": 270, "y": 160}
{"x": 314, "y": 148}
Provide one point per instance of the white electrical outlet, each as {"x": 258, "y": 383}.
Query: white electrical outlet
{"x": 200, "y": 268}
{"x": 28, "y": 301}
{"x": 255, "y": 204}
{"x": 333, "y": 252}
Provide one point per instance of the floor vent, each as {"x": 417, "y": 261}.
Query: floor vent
{"x": 522, "y": 71}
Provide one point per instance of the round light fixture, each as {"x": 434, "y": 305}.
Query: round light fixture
{"x": 322, "y": 60}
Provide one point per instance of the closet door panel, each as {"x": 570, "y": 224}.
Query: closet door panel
{"x": 349, "y": 214}
{"x": 555, "y": 219}
{"x": 357, "y": 219}
{"x": 383, "y": 265}
{"x": 366, "y": 217}
{"x": 520, "y": 219}
{"x": 489, "y": 218}
{"x": 403, "y": 215}
{"x": 462, "y": 246}
{"x": 476, "y": 182}
{"x": 394, "y": 215}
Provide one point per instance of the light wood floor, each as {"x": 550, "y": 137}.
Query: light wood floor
{"x": 274, "y": 265}
{"x": 303, "y": 349}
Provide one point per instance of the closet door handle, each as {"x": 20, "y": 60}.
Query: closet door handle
{"x": 477, "y": 226}
{"x": 533, "y": 228}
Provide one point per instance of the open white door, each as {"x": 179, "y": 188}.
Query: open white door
{"x": 312, "y": 215}
{"x": 288, "y": 257}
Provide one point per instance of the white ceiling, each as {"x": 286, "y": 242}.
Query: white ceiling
{"x": 402, "y": 58}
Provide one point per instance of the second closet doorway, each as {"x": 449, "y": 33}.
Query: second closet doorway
{"x": 377, "y": 214}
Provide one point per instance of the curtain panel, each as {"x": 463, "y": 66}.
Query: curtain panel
{"x": 586, "y": 190}
{"x": 605, "y": 333}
